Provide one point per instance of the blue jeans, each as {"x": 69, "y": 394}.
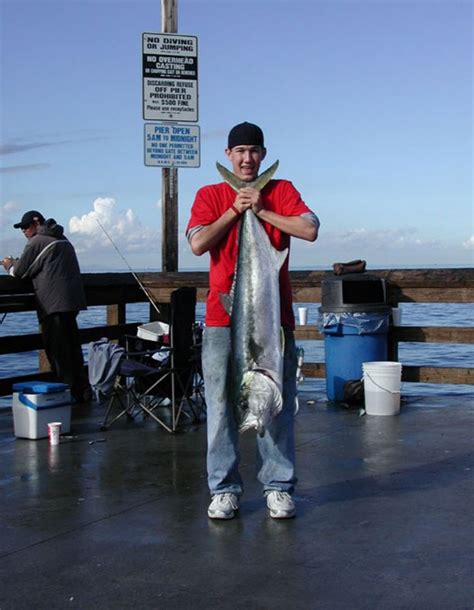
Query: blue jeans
{"x": 275, "y": 449}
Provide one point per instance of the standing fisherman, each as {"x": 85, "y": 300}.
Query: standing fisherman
{"x": 213, "y": 227}
{"x": 49, "y": 260}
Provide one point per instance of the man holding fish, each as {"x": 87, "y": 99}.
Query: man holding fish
{"x": 249, "y": 356}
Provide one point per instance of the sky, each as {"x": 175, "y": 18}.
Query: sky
{"x": 367, "y": 105}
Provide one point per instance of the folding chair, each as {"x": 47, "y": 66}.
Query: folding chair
{"x": 134, "y": 379}
{"x": 144, "y": 385}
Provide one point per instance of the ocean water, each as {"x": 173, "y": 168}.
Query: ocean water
{"x": 413, "y": 314}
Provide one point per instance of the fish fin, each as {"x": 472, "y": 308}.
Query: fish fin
{"x": 279, "y": 257}
{"x": 226, "y": 301}
{"x": 229, "y": 177}
{"x": 259, "y": 183}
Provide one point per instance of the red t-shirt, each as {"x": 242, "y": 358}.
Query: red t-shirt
{"x": 279, "y": 196}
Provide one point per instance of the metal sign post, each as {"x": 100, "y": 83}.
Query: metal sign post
{"x": 170, "y": 94}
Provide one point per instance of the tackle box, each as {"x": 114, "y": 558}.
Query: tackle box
{"x": 153, "y": 331}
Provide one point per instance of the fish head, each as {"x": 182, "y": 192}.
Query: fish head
{"x": 261, "y": 401}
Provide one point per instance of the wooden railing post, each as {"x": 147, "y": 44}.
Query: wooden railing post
{"x": 116, "y": 314}
{"x": 43, "y": 362}
{"x": 392, "y": 345}
{"x": 392, "y": 340}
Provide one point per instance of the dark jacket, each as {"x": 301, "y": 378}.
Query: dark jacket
{"x": 50, "y": 261}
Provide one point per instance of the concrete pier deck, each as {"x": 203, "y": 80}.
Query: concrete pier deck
{"x": 117, "y": 519}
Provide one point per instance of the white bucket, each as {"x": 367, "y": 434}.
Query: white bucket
{"x": 382, "y": 381}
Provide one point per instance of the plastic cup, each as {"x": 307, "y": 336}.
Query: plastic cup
{"x": 396, "y": 316}
{"x": 302, "y": 315}
{"x": 54, "y": 431}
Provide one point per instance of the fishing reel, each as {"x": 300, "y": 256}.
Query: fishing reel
{"x": 299, "y": 365}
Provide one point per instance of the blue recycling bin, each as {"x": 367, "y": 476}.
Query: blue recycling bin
{"x": 354, "y": 319}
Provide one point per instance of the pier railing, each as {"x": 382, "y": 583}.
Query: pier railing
{"x": 116, "y": 290}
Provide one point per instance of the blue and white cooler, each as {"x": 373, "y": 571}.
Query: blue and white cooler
{"x": 36, "y": 403}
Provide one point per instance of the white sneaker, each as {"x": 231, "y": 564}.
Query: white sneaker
{"x": 223, "y": 506}
{"x": 280, "y": 505}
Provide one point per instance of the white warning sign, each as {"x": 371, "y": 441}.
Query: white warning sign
{"x": 172, "y": 145}
{"x": 170, "y": 77}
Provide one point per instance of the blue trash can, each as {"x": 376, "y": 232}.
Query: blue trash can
{"x": 354, "y": 319}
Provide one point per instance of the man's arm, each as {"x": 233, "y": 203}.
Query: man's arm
{"x": 8, "y": 263}
{"x": 295, "y": 226}
{"x": 24, "y": 267}
{"x": 210, "y": 235}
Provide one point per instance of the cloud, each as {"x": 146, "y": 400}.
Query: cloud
{"x": 18, "y": 147}
{"x": 387, "y": 239}
{"x": 9, "y": 207}
{"x": 8, "y": 214}
{"x": 11, "y": 148}
{"x": 469, "y": 243}
{"x": 122, "y": 227}
{"x": 384, "y": 247}
{"x": 139, "y": 243}
{"x": 24, "y": 168}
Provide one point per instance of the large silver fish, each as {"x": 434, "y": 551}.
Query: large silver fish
{"x": 254, "y": 307}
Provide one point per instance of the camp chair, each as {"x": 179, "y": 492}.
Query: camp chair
{"x": 133, "y": 374}
{"x": 146, "y": 385}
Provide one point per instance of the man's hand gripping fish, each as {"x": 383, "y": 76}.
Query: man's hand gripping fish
{"x": 254, "y": 307}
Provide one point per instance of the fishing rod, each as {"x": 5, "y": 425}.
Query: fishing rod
{"x": 130, "y": 269}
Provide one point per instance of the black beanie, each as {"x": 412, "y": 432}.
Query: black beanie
{"x": 247, "y": 134}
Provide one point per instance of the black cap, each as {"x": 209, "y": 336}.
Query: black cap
{"x": 28, "y": 219}
{"x": 247, "y": 134}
